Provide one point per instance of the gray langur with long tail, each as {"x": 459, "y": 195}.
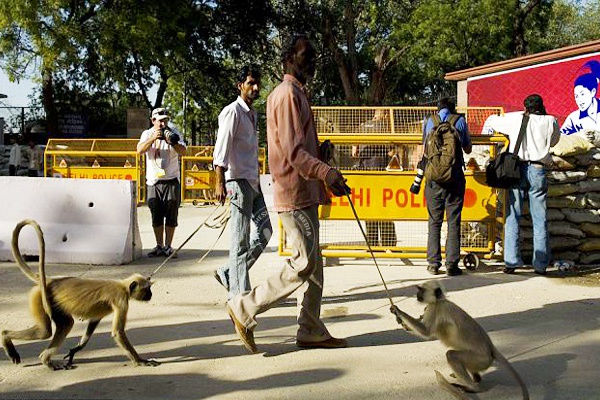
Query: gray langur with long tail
{"x": 59, "y": 299}
{"x": 471, "y": 349}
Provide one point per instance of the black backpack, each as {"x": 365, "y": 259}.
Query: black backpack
{"x": 442, "y": 147}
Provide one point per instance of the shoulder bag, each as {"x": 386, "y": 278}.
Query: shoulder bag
{"x": 504, "y": 171}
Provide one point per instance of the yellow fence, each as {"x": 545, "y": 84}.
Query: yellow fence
{"x": 96, "y": 159}
{"x": 198, "y": 176}
{"x": 377, "y": 149}
{"x": 118, "y": 159}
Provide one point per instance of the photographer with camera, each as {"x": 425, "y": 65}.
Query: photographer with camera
{"x": 445, "y": 196}
{"x": 162, "y": 144}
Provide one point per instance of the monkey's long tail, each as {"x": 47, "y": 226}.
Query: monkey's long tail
{"x": 387, "y": 292}
{"x": 502, "y": 360}
{"x": 40, "y": 278}
{"x": 204, "y": 223}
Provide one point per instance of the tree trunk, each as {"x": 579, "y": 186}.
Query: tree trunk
{"x": 48, "y": 103}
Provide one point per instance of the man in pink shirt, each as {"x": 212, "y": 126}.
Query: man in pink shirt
{"x": 298, "y": 177}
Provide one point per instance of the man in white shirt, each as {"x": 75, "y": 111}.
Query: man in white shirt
{"x": 235, "y": 159}
{"x": 14, "y": 160}
{"x": 163, "y": 145}
{"x": 542, "y": 133}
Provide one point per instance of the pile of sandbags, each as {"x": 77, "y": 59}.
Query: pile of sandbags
{"x": 573, "y": 200}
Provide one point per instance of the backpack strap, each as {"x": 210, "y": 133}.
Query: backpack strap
{"x": 453, "y": 119}
{"x": 435, "y": 118}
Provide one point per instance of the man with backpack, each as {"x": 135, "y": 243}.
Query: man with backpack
{"x": 445, "y": 136}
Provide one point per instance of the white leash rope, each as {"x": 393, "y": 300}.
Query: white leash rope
{"x": 204, "y": 223}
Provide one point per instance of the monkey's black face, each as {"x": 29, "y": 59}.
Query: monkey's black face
{"x": 141, "y": 290}
{"x": 147, "y": 295}
{"x": 420, "y": 296}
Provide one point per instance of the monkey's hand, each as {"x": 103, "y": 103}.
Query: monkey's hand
{"x": 147, "y": 363}
{"x": 399, "y": 314}
{"x": 396, "y": 311}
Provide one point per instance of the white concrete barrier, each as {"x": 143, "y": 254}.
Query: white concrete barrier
{"x": 85, "y": 221}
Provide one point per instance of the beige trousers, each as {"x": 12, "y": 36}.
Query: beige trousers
{"x": 303, "y": 273}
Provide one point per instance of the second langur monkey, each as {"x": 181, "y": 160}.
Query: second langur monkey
{"x": 471, "y": 349}
{"x": 62, "y": 298}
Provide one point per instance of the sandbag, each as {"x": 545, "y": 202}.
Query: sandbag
{"x": 590, "y": 229}
{"x": 593, "y": 199}
{"x": 579, "y": 216}
{"x": 565, "y": 228}
{"x": 572, "y": 256}
{"x": 589, "y": 185}
{"x": 555, "y": 190}
{"x": 570, "y": 145}
{"x": 562, "y": 164}
{"x": 590, "y": 258}
{"x": 592, "y": 136}
{"x": 526, "y": 233}
{"x": 565, "y": 176}
{"x": 568, "y": 201}
{"x": 592, "y": 157}
{"x": 563, "y": 243}
{"x": 590, "y": 244}
{"x": 554, "y": 214}
{"x": 593, "y": 171}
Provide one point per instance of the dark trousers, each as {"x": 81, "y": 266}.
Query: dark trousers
{"x": 447, "y": 198}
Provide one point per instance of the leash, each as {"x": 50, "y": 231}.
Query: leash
{"x": 205, "y": 222}
{"x": 330, "y": 157}
{"x": 221, "y": 223}
{"x": 387, "y": 292}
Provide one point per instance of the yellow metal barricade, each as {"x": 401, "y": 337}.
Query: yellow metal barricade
{"x": 198, "y": 175}
{"x": 377, "y": 149}
{"x": 96, "y": 159}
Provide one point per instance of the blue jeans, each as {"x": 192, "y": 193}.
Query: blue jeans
{"x": 448, "y": 198}
{"x": 534, "y": 184}
{"x": 247, "y": 207}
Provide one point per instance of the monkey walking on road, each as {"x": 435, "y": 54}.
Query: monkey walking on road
{"x": 471, "y": 349}
{"x": 60, "y": 299}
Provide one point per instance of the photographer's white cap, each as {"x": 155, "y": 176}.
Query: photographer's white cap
{"x": 160, "y": 113}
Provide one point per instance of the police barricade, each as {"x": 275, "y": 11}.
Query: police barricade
{"x": 96, "y": 159}
{"x": 378, "y": 149}
{"x": 199, "y": 177}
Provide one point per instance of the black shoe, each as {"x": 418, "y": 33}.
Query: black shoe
{"x": 543, "y": 273}
{"x": 168, "y": 250}
{"x": 509, "y": 271}
{"x": 156, "y": 252}
{"x": 433, "y": 269}
{"x": 453, "y": 271}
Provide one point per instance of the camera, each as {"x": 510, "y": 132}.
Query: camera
{"x": 168, "y": 135}
{"x": 415, "y": 188}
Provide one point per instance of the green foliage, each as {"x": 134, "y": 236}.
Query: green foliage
{"x": 112, "y": 54}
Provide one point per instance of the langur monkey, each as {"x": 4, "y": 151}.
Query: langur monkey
{"x": 60, "y": 299}
{"x": 471, "y": 349}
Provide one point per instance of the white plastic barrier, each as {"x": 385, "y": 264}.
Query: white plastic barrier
{"x": 85, "y": 221}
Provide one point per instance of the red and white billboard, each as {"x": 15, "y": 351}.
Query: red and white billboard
{"x": 569, "y": 88}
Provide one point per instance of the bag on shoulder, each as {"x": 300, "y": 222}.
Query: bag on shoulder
{"x": 441, "y": 149}
{"x": 504, "y": 171}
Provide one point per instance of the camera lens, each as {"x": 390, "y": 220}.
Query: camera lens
{"x": 415, "y": 188}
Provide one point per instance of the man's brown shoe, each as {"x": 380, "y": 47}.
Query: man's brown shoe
{"x": 246, "y": 335}
{"x": 331, "y": 343}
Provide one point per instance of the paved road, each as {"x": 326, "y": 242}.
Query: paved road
{"x": 547, "y": 328}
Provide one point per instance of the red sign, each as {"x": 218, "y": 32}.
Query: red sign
{"x": 554, "y": 81}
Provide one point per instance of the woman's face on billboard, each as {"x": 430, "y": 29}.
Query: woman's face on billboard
{"x": 584, "y": 97}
